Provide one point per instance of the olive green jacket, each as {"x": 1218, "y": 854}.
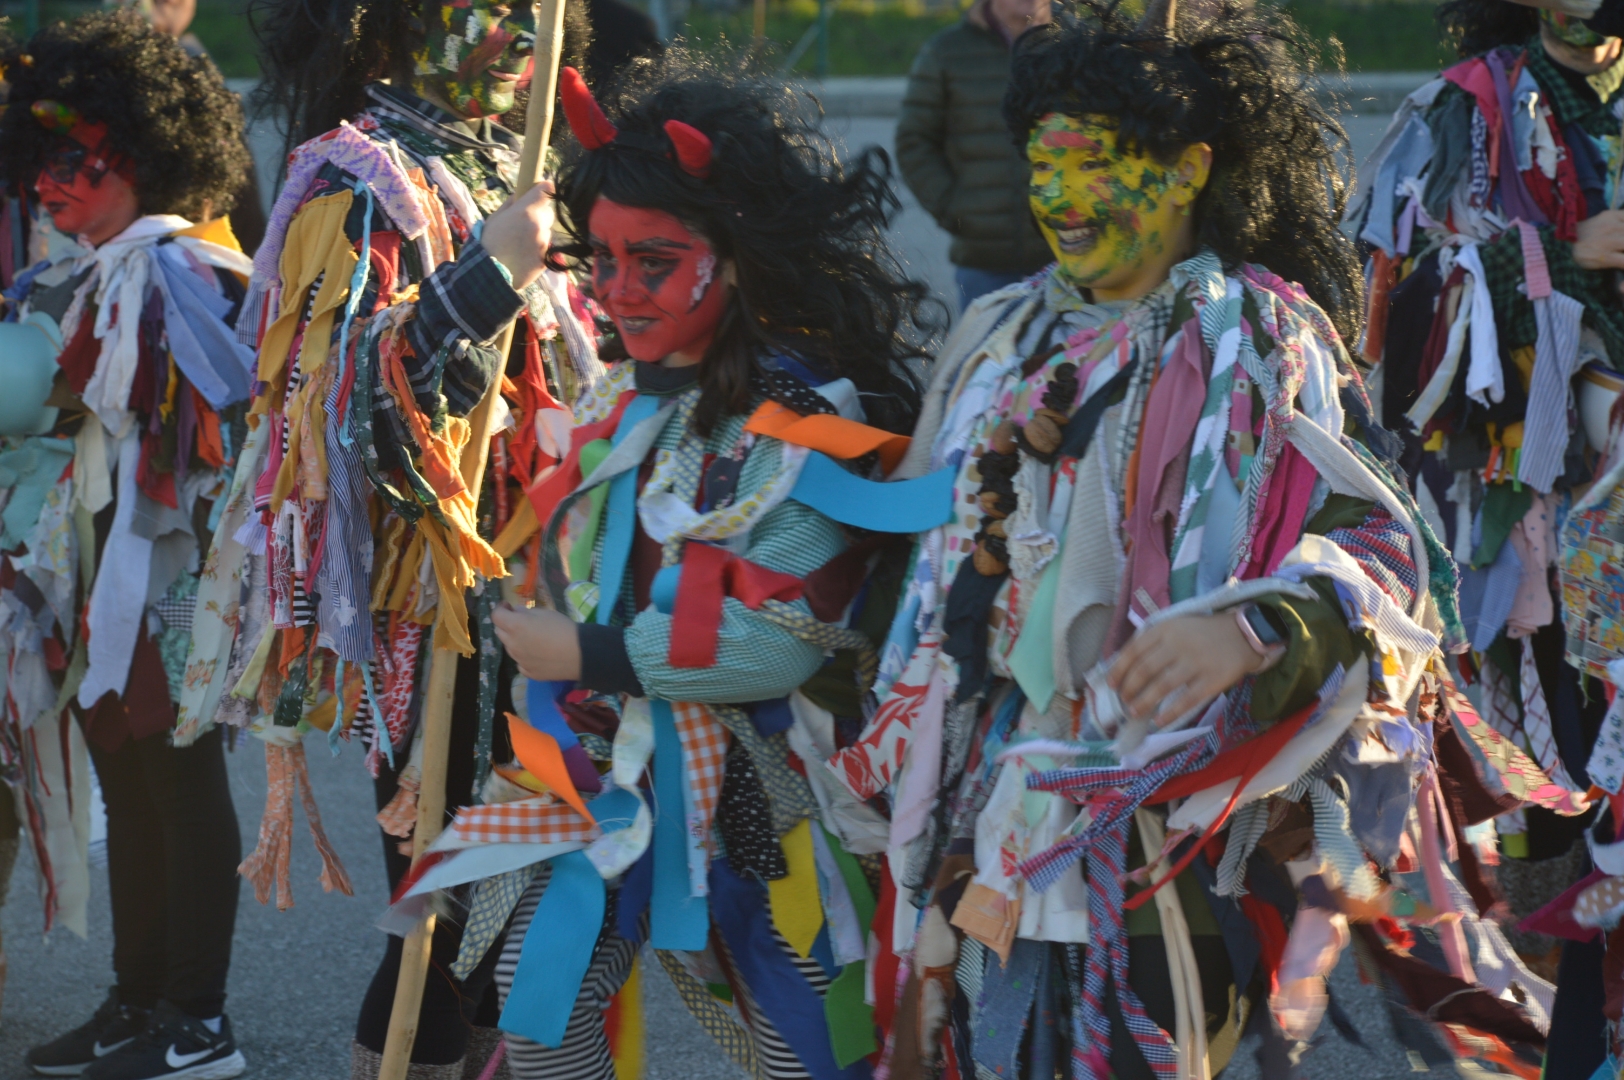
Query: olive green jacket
{"x": 956, "y": 153}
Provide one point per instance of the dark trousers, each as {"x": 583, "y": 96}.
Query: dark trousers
{"x": 172, "y": 854}
{"x": 451, "y": 1008}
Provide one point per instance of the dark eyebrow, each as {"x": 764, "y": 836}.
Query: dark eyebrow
{"x": 657, "y": 243}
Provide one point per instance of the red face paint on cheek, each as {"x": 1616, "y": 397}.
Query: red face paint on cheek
{"x": 83, "y": 199}
{"x": 658, "y": 280}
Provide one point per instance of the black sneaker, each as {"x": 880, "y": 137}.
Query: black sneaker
{"x": 173, "y": 1044}
{"x": 113, "y": 1026}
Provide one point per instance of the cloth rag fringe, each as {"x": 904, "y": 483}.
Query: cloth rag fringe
{"x": 285, "y": 769}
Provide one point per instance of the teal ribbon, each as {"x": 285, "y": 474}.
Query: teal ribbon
{"x": 677, "y": 920}
{"x": 556, "y": 953}
{"x": 620, "y": 514}
{"x": 901, "y": 506}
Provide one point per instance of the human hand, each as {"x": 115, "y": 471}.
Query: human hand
{"x": 518, "y": 233}
{"x": 1170, "y": 667}
{"x": 1600, "y": 245}
{"x": 541, "y": 641}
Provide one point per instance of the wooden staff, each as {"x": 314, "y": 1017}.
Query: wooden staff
{"x": 442, "y": 684}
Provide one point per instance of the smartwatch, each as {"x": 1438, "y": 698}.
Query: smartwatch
{"x": 1261, "y": 635}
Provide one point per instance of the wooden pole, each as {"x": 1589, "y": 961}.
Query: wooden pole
{"x": 442, "y": 684}
{"x": 758, "y": 28}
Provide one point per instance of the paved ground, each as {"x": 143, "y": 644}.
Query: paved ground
{"x": 298, "y": 975}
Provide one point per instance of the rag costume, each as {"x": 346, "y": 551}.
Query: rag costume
{"x": 728, "y": 579}
{"x": 1069, "y": 889}
{"x": 126, "y": 393}
{"x": 352, "y": 545}
{"x": 1498, "y": 362}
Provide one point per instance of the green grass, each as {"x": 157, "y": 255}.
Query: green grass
{"x": 1382, "y": 35}
{"x": 870, "y": 38}
{"x": 864, "y": 39}
{"x": 221, "y": 26}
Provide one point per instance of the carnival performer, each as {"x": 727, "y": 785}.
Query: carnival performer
{"x": 1495, "y": 243}
{"x": 1168, "y": 719}
{"x": 125, "y": 391}
{"x": 718, "y": 560}
{"x": 353, "y": 545}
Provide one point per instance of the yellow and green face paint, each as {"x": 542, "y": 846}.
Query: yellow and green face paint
{"x": 1105, "y": 212}
{"x": 474, "y": 52}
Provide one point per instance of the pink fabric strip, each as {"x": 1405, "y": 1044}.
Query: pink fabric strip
{"x": 1171, "y": 415}
{"x": 1450, "y": 936}
{"x": 1535, "y": 270}
{"x": 1282, "y": 513}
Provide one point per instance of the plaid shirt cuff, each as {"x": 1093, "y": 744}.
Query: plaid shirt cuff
{"x": 470, "y": 299}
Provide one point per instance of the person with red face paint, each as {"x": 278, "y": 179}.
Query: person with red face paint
{"x": 717, "y": 561}
{"x": 117, "y": 450}
{"x": 374, "y": 307}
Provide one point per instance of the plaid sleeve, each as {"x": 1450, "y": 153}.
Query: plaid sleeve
{"x": 468, "y": 299}
{"x": 1514, "y": 313}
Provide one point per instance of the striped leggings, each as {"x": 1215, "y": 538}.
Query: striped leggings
{"x": 584, "y": 1054}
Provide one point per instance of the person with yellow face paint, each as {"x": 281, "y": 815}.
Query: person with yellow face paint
{"x": 1162, "y": 689}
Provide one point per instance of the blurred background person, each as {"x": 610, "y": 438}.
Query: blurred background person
{"x": 955, "y": 152}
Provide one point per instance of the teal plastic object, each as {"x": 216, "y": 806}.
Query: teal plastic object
{"x": 28, "y": 352}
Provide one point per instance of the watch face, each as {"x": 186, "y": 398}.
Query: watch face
{"x": 1261, "y": 626}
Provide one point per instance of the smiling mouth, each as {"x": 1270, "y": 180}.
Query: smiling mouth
{"x": 636, "y": 324}
{"x": 1077, "y": 241}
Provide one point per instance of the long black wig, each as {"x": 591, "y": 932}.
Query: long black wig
{"x": 317, "y": 56}
{"x": 167, "y": 112}
{"x": 1236, "y": 77}
{"x": 816, "y": 278}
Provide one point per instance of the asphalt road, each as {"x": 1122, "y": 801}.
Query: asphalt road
{"x": 298, "y": 975}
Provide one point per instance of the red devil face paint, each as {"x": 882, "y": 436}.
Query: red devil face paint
{"x": 658, "y": 281}
{"x": 85, "y": 192}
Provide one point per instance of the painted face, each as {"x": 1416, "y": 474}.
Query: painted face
{"x": 1570, "y": 30}
{"x": 474, "y": 52}
{"x": 83, "y": 189}
{"x": 659, "y": 282}
{"x": 1104, "y": 212}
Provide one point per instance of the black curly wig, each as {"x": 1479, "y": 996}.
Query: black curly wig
{"x": 1474, "y": 27}
{"x": 1236, "y": 77}
{"x": 166, "y": 111}
{"x": 317, "y": 56}
{"x": 815, "y": 276}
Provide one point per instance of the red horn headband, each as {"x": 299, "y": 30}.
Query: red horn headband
{"x": 594, "y": 131}
{"x": 693, "y": 148}
{"x": 591, "y": 127}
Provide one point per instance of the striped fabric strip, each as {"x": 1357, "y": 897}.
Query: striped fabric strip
{"x": 1536, "y": 721}
{"x": 1545, "y": 424}
{"x": 1381, "y": 545}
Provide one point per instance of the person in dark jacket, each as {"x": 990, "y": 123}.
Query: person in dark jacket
{"x": 954, "y": 149}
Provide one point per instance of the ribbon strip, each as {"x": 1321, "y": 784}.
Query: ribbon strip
{"x": 832, "y": 435}
{"x": 710, "y": 574}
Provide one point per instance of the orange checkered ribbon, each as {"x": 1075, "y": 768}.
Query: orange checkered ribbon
{"x": 704, "y": 755}
{"x": 541, "y": 820}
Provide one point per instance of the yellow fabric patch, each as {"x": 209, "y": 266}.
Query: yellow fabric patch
{"x": 796, "y": 909}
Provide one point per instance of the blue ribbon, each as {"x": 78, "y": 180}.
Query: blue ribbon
{"x": 903, "y": 506}
{"x": 541, "y": 702}
{"x": 677, "y": 920}
{"x": 557, "y": 952}
{"x": 620, "y": 514}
